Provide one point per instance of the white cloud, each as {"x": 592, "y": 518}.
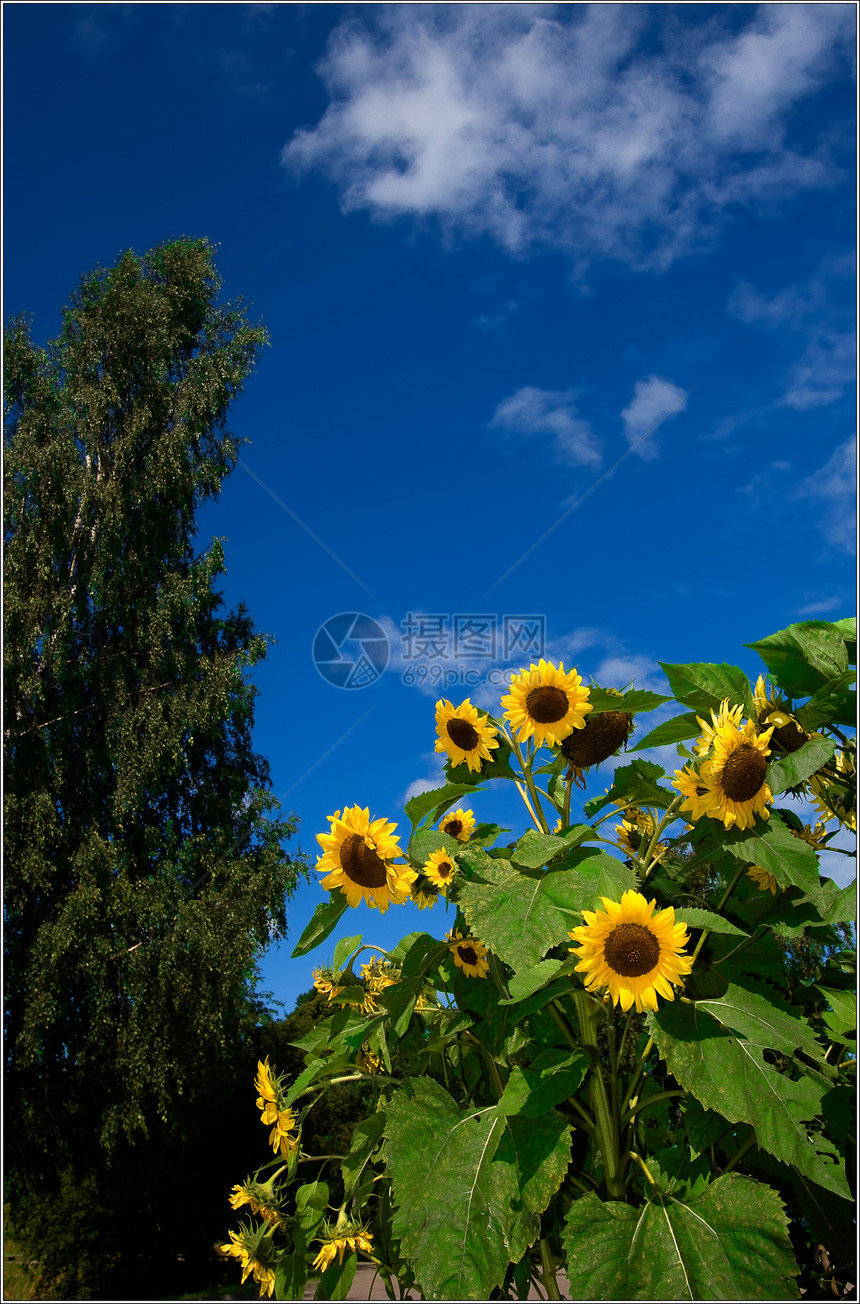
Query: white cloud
{"x": 821, "y": 605}
{"x": 532, "y": 411}
{"x": 545, "y": 125}
{"x": 652, "y": 399}
{"x": 835, "y": 485}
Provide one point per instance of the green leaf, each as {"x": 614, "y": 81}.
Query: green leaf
{"x": 520, "y": 914}
{"x": 755, "y": 1013}
{"x": 788, "y": 771}
{"x": 804, "y": 657}
{"x": 365, "y": 1138}
{"x": 527, "y": 981}
{"x": 730, "y": 1075}
{"x": 337, "y": 1279}
{"x": 486, "y": 834}
{"x": 835, "y": 703}
{"x": 695, "y": 918}
{"x": 730, "y": 1242}
{"x": 704, "y": 686}
{"x": 635, "y": 783}
{"x": 323, "y": 922}
{"x": 423, "y": 803}
{"x": 775, "y": 848}
{"x": 534, "y": 1089}
{"x": 638, "y": 699}
{"x": 399, "y": 999}
{"x": 848, "y": 629}
{"x": 671, "y": 731}
{"x": 469, "y": 1187}
{"x": 703, "y": 1126}
{"x": 843, "y": 1019}
{"x": 292, "y": 1271}
{"x": 536, "y": 849}
{"x": 344, "y": 949}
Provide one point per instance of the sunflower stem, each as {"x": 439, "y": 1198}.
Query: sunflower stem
{"x": 640, "y": 1069}
{"x": 644, "y": 1167}
{"x": 526, "y": 768}
{"x": 722, "y": 901}
{"x": 668, "y": 818}
{"x": 652, "y": 1100}
{"x": 742, "y": 1149}
{"x": 547, "y": 1277}
{"x": 606, "y": 1129}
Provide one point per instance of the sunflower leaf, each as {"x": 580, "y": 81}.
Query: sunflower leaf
{"x": 469, "y": 1187}
{"x": 704, "y": 686}
{"x": 636, "y": 783}
{"x": 843, "y": 1018}
{"x": 337, "y": 1279}
{"x": 425, "y": 803}
{"x": 536, "y": 849}
{"x": 291, "y": 1273}
{"x": 520, "y": 914}
{"x": 365, "y": 1138}
{"x": 729, "y": 1074}
{"x": 695, "y": 918}
{"x": 804, "y": 657}
{"x": 638, "y": 699}
{"x": 533, "y": 1090}
{"x": 775, "y": 848}
{"x": 835, "y": 703}
{"x": 425, "y": 842}
{"x": 323, "y": 922}
{"x": 672, "y": 731}
{"x": 788, "y": 771}
{"x": 756, "y": 1014}
{"x": 528, "y": 981}
{"x": 729, "y": 1242}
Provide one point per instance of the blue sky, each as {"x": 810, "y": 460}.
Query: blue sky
{"x": 492, "y": 244}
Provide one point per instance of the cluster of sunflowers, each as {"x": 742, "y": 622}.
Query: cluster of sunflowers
{"x": 629, "y": 953}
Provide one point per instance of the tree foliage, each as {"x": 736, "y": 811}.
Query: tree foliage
{"x": 144, "y": 866}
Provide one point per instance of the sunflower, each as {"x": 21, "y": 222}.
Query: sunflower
{"x": 597, "y": 740}
{"x": 764, "y": 881}
{"x": 257, "y": 1196}
{"x": 464, "y": 734}
{"x": 469, "y": 954}
{"x": 337, "y": 1241}
{"x": 458, "y": 824}
{"x": 365, "y": 1059}
{"x": 325, "y": 981}
{"x": 633, "y": 835}
{"x": 424, "y": 893}
{"x": 817, "y": 837}
{"x": 693, "y": 790}
{"x": 772, "y": 708}
{"x": 632, "y": 951}
{"x": 358, "y": 859}
{"x": 546, "y": 704}
{"x": 736, "y": 775}
{"x": 269, "y": 1102}
{"x": 254, "y": 1250}
{"x": 440, "y": 869}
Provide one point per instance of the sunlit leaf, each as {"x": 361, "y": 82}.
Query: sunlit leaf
{"x": 804, "y": 657}
{"x": 704, "y": 686}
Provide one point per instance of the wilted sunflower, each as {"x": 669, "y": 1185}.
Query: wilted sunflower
{"x": 458, "y": 824}
{"x": 764, "y": 881}
{"x": 598, "y": 739}
{"x": 632, "y": 951}
{"x": 469, "y": 954}
{"x": 464, "y": 733}
{"x": 424, "y": 893}
{"x": 338, "y": 1240}
{"x": 736, "y": 775}
{"x": 440, "y": 869}
{"x": 546, "y": 704}
{"x": 365, "y": 1059}
{"x": 816, "y": 838}
{"x": 255, "y": 1252}
{"x": 358, "y": 859}
{"x": 695, "y": 792}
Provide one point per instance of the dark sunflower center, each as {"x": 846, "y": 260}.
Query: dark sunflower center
{"x": 453, "y": 828}
{"x": 790, "y": 737}
{"x": 361, "y": 864}
{"x": 601, "y": 736}
{"x": 634, "y": 837}
{"x": 444, "y": 869}
{"x": 462, "y": 734}
{"x": 547, "y": 704}
{"x": 467, "y": 954}
{"x": 631, "y": 950}
{"x": 743, "y": 773}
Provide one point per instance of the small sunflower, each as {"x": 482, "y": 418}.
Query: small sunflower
{"x": 260, "y": 1197}
{"x": 817, "y": 837}
{"x": 339, "y": 1240}
{"x": 464, "y": 733}
{"x": 440, "y": 869}
{"x": 424, "y": 893}
{"x": 365, "y": 1059}
{"x": 736, "y": 775}
{"x": 546, "y": 704}
{"x": 458, "y": 824}
{"x": 358, "y": 859}
{"x": 632, "y": 951}
{"x": 426, "y": 1001}
{"x": 469, "y": 954}
{"x": 764, "y": 881}
{"x": 632, "y": 835}
{"x": 325, "y": 981}
{"x": 695, "y": 792}
{"x": 269, "y": 1102}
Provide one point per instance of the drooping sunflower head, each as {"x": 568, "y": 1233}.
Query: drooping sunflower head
{"x": 458, "y": 824}
{"x": 424, "y": 893}
{"x": 772, "y": 709}
{"x": 469, "y": 954}
{"x": 326, "y": 983}
{"x": 597, "y": 740}
{"x": 440, "y": 870}
{"x": 365, "y": 1059}
{"x": 817, "y": 837}
{"x": 632, "y": 835}
{"x": 345, "y": 1237}
{"x": 546, "y": 703}
{"x": 379, "y": 974}
{"x": 464, "y": 733}
{"x": 359, "y": 858}
{"x": 764, "y": 881}
{"x": 632, "y": 951}
{"x": 254, "y": 1249}
{"x": 260, "y": 1198}
{"x": 736, "y": 776}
